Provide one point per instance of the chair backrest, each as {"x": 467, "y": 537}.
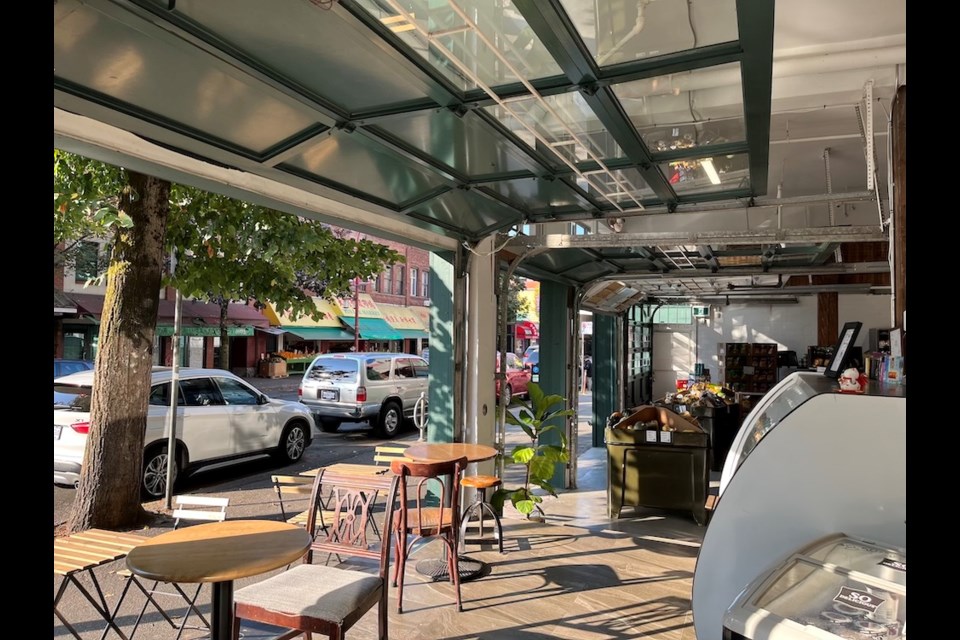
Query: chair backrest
{"x": 388, "y": 454}
{"x": 199, "y": 509}
{"x": 293, "y": 487}
{"x": 350, "y": 509}
{"x": 417, "y": 488}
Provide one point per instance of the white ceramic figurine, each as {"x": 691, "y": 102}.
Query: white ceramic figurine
{"x": 853, "y": 380}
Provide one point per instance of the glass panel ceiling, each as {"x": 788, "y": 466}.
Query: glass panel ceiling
{"x": 486, "y": 39}
{"x": 707, "y": 175}
{"x": 537, "y": 195}
{"x": 687, "y": 109}
{"x": 622, "y": 30}
{"x": 624, "y": 186}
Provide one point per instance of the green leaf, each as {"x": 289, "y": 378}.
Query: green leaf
{"x": 524, "y": 506}
{"x": 523, "y": 454}
{"x": 541, "y": 467}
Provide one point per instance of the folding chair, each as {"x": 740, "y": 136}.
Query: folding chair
{"x": 191, "y": 509}
{"x": 297, "y": 489}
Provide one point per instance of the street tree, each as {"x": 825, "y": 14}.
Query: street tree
{"x": 132, "y": 208}
{"x": 227, "y": 250}
{"x": 232, "y": 251}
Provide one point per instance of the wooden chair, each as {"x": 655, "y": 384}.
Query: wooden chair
{"x": 317, "y": 598}
{"x": 420, "y": 516}
{"x": 187, "y": 509}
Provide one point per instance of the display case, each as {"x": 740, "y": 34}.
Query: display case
{"x": 840, "y": 586}
{"x": 807, "y": 462}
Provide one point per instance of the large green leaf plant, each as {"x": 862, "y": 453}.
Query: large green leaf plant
{"x": 539, "y": 459}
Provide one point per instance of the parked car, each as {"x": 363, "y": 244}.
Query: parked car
{"x": 379, "y": 388}
{"x": 531, "y": 358}
{"x": 518, "y": 377}
{"x": 220, "y": 417}
{"x": 64, "y": 366}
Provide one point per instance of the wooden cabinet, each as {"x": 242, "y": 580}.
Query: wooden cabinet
{"x": 749, "y": 367}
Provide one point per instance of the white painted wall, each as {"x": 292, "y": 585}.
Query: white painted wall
{"x": 791, "y": 326}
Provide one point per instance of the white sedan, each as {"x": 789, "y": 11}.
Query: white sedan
{"x": 220, "y": 417}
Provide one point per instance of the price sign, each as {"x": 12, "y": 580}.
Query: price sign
{"x": 899, "y": 565}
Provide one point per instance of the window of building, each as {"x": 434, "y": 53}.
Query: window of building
{"x": 673, "y": 314}
{"x": 414, "y": 282}
{"x": 378, "y": 282}
{"x": 398, "y": 272}
{"x": 87, "y": 254}
{"x": 426, "y": 284}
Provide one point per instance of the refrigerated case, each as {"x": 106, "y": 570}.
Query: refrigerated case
{"x": 837, "y": 587}
{"x": 807, "y": 462}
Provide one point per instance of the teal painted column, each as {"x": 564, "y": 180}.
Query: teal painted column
{"x": 555, "y": 302}
{"x": 441, "y": 421}
{"x": 604, "y": 374}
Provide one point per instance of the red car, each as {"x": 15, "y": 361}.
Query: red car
{"x": 518, "y": 377}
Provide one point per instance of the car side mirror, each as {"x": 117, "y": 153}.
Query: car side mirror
{"x": 263, "y": 399}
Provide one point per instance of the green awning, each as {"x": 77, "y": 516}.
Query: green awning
{"x": 208, "y": 330}
{"x": 372, "y": 328}
{"x": 320, "y": 333}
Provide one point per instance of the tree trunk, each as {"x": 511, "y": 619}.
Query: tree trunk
{"x": 108, "y": 495}
{"x": 224, "y": 359}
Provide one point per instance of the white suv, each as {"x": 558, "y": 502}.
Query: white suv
{"x": 220, "y": 417}
{"x": 379, "y": 388}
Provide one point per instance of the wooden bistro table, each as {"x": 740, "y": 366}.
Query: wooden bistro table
{"x": 436, "y": 568}
{"x": 219, "y": 553}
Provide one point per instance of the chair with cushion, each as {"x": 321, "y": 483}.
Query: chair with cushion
{"x": 478, "y": 508}
{"x": 187, "y": 509}
{"x": 421, "y": 514}
{"x": 317, "y": 598}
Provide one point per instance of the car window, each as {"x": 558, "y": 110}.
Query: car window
{"x": 421, "y": 368}
{"x": 200, "y": 392}
{"x": 160, "y": 395}
{"x": 67, "y": 368}
{"x": 378, "y": 369}
{"x": 235, "y": 392}
{"x": 333, "y": 370}
{"x": 405, "y": 369}
{"x": 71, "y": 396}
{"x": 513, "y": 362}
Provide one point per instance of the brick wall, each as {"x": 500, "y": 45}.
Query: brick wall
{"x": 386, "y": 292}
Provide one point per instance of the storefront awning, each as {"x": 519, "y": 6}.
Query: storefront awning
{"x": 525, "y": 330}
{"x": 321, "y": 333}
{"x": 331, "y": 312}
{"x": 373, "y": 329}
{"x": 404, "y": 320}
{"x": 213, "y": 331}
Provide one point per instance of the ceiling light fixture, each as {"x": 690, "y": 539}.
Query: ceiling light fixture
{"x": 707, "y": 164}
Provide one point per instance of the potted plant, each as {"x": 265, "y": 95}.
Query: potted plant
{"x": 538, "y": 459}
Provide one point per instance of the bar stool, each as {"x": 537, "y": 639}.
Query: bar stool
{"x": 478, "y": 507}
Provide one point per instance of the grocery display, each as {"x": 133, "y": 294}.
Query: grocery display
{"x": 748, "y": 366}
{"x": 808, "y": 462}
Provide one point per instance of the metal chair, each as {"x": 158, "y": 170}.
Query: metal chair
{"x": 192, "y": 509}
{"x": 478, "y": 508}
{"x": 298, "y": 489}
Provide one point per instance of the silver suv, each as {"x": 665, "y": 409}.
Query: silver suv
{"x": 379, "y": 388}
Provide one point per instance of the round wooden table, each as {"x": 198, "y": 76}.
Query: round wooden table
{"x": 440, "y": 451}
{"x": 219, "y": 553}
{"x": 436, "y": 568}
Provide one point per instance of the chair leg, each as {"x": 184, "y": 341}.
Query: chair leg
{"x": 454, "y": 561}
{"x": 191, "y": 607}
{"x": 384, "y": 615}
{"x": 401, "y": 571}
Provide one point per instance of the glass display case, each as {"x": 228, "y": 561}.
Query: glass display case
{"x": 791, "y": 392}
{"x": 840, "y": 586}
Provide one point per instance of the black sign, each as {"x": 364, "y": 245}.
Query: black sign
{"x": 858, "y": 599}
{"x": 894, "y": 564}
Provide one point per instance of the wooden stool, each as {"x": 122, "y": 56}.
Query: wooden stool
{"x": 478, "y": 507}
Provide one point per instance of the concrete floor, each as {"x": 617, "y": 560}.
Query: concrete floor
{"x": 576, "y": 575}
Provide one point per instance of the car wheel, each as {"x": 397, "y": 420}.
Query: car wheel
{"x": 292, "y": 442}
{"x": 154, "y": 482}
{"x": 508, "y": 394}
{"x": 328, "y": 426}
{"x": 391, "y": 419}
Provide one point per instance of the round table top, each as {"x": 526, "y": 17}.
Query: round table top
{"x": 219, "y": 551}
{"x": 439, "y": 451}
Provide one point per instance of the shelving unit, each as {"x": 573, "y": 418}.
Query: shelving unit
{"x": 748, "y": 367}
